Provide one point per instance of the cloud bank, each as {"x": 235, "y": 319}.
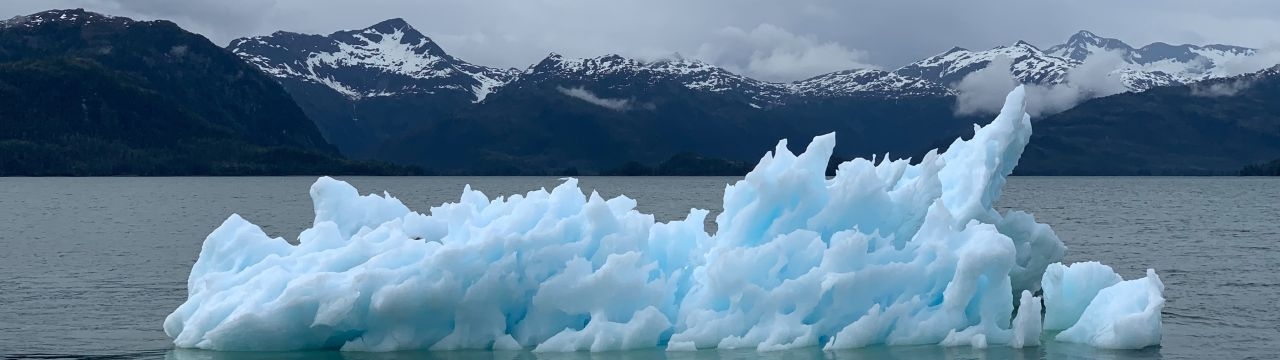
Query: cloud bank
{"x": 1263, "y": 59}
{"x": 1222, "y": 88}
{"x": 771, "y": 53}
{"x": 585, "y": 95}
{"x": 982, "y": 92}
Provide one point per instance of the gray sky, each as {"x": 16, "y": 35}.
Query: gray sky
{"x": 771, "y": 40}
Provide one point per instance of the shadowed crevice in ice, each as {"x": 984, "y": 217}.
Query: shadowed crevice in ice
{"x": 883, "y": 253}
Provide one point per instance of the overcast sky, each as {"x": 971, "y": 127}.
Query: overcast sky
{"x": 771, "y": 40}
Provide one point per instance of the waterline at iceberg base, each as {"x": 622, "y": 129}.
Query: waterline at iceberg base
{"x": 884, "y": 253}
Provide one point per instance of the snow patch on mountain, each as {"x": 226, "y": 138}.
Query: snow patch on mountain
{"x": 393, "y": 53}
{"x": 487, "y": 81}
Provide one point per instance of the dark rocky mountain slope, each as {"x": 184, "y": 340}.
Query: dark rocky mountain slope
{"x": 88, "y": 94}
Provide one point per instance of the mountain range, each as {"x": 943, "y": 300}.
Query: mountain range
{"x": 389, "y": 93}
{"x": 391, "y": 58}
{"x": 366, "y": 88}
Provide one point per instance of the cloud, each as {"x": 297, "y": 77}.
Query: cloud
{"x": 1096, "y": 77}
{"x": 771, "y": 53}
{"x": 983, "y": 91}
{"x": 1263, "y": 59}
{"x": 1229, "y": 87}
{"x": 585, "y": 95}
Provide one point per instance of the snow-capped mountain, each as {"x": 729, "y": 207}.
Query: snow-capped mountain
{"x": 1030, "y": 65}
{"x": 1181, "y": 63}
{"x": 614, "y": 73}
{"x": 388, "y": 58}
{"x": 862, "y": 82}
{"x": 1157, "y": 64}
{"x": 70, "y": 17}
{"x": 1084, "y": 44}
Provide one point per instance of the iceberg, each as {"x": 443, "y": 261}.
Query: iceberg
{"x": 1107, "y": 312}
{"x": 1069, "y": 289}
{"x": 886, "y": 252}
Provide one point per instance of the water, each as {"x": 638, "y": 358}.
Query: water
{"x": 89, "y": 267}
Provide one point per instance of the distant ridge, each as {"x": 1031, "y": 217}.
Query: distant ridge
{"x": 87, "y": 94}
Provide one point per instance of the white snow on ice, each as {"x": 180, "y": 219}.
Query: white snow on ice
{"x": 883, "y": 253}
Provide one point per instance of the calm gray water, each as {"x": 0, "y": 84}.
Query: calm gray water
{"x": 89, "y": 267}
